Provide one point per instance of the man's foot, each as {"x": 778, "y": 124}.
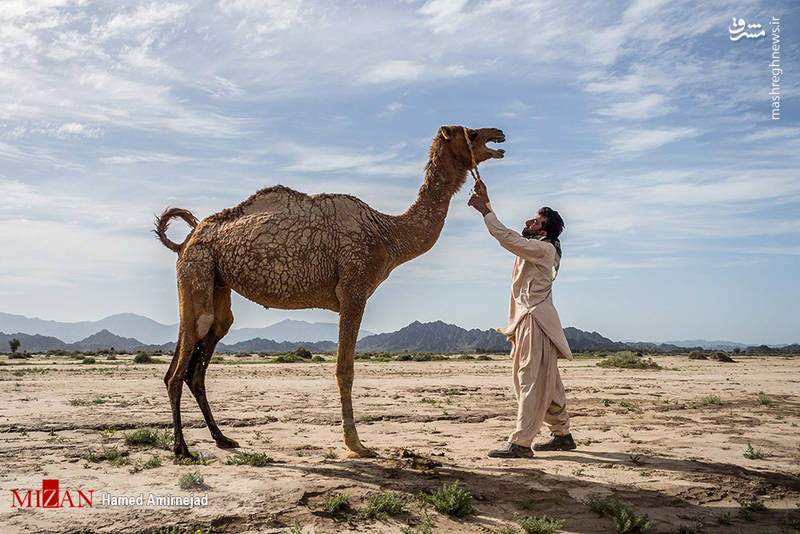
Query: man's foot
{"x": 512, "y": 450}
{"x": 556, "y": 443}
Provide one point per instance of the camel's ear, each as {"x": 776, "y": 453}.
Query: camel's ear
{"x": 444, "y": 131}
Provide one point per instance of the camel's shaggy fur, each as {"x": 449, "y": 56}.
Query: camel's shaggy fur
{"x": 285, "y": 249}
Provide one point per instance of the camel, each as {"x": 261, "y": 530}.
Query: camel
{"x": 288, "y": 250}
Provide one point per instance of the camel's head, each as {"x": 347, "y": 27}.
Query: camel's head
{"x": 453, "y": 138}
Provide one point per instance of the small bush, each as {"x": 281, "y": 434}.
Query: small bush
{"x": 625, "y": 518}
{"x": 628, "y": 360}
{"x": 255, "y": 459}
{"x": 111, "y": 357}
{"x": 450, "y": 500}
{"x": 721, "y": 357}
{"x": 303, "y": 353}
{"x": 142, "y": 357}
{"x": 403, "y": 357}
{"x": 19, "y": 356}
{"x": 317, "y": 358}
{"x": 483, "y": 357}
{"x": 697, "y": 355}
{"x": 146, "y": 436}
{"x": 337, "y": 504}
{"x": 192, "y": 480}
{"x": 540, "y": 525}
{"x": 88, "y": 360}
{"x": 763, "y": 399}
{"x": 382, "y": 505}
{"x": 217, "y": 359}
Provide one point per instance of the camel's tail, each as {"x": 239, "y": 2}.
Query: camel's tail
{"x": 162, "y": 223}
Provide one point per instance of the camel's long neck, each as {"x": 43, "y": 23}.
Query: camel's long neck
{"x": 416, "y": 231}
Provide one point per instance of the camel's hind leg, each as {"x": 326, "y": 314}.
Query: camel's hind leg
{"x": 196, "y": 374}
{"x": 197, "y": 317}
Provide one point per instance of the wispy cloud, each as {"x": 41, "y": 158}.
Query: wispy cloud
{"x": 640, "y": 140}
{"x": 646, "y": 107}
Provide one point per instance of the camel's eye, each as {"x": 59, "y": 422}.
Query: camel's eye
{"x": 472, "y": 135}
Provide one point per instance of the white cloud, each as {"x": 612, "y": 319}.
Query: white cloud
{"x": 76, "y": 129}
{"x": 145, "y": 157}
{"x": 771, "y": 133}
{"x": 400, "y": 70}
{"x": 144, "y": 18}
{"x": 390, "y": 109}
{"x": 646, "y": 107}
{"x": 51, "y": 254}
{"x": 640, "y": 140}
{"x": 443, "y": 14}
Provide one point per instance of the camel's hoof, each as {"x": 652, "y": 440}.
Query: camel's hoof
{"x": 183, "y": 457}
{"x": 227, "y": 443}
{"x": 361, "y": 452}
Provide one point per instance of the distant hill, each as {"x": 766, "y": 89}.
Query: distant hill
{"x": 290, "y": 330}
{"x": 130, "y": 325}
{"x": 150, "y": 332}
{"x": 437, "y": 336}
{"x": 708, "y": 345}
{"x": 31, "y": 343}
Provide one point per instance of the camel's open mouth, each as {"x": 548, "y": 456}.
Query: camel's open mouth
{"x": 496, "y": 139}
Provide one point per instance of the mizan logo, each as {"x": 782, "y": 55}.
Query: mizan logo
{"x": 50, "y": 497}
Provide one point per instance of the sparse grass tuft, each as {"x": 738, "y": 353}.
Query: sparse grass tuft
{"x": 337, "y": 504}
{"x": 255, "y": 459}
{"x": 540, "y": 525}
{"x": 193, "y": 480}
{"x": 88, "y": 360}
{"x": 147, "y": 436}
{"x": 764, "y": 400}
{"x": 711, "y": 399}
{"x": 152, "y": 463}
{"x": 753, "y": 454}
{"x": 113, "y": 455}
{"x": 625, "y": 518}
{"x": 748, "y": 507}
{"x": 450, "y": 500}
{"x": 628, "y": 360}
{"x": 425, "y": 527}
{"x": 381, "y": 505}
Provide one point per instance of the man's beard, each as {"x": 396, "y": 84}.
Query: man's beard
{"x": 527, "y": 233}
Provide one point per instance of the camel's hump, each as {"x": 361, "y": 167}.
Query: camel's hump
{"x": 280, "y": 198}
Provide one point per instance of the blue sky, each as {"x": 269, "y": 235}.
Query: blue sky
{"x": 641, "y": 122}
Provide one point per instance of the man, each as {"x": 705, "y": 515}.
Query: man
{"x": 534, "y": 329}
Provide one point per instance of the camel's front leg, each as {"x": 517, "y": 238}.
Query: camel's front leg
{"x": 349, "y": 323}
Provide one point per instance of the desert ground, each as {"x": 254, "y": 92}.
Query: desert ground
{"x": 668, "y": 443}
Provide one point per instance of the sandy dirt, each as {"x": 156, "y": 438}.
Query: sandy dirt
{"x": 669, "y": 443}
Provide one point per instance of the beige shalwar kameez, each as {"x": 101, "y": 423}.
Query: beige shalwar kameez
{"x": 536, "y": 336}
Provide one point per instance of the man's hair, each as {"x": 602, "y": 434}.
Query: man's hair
{"x": 554, "y": 224}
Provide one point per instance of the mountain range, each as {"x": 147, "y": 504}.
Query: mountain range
{"x": 134, "y": 332}
{"x": 150, "y": 332}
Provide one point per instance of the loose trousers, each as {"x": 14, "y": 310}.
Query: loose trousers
{"x": 537, "y": 384}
